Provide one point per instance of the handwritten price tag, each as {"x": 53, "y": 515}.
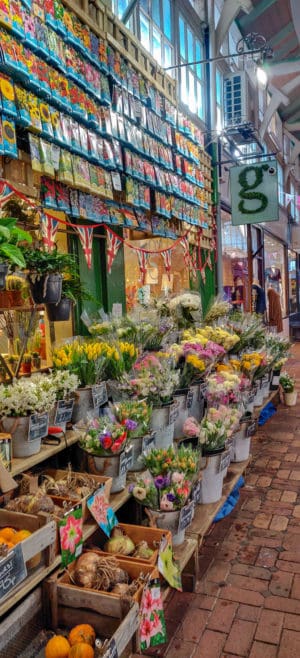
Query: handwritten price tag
{"x": 126, "y": 459}
{"x": 189, "y": 399}
{"x": 64, "y": 409}
{"x": 111, "y": 651}
{"x": 196, "y": 492}
{"x": 251, "y": 429}
{"x": 38, "y": 426}
{"x": 12, "y": 570}
{"x": 99, "y": 393}
{"x": 148, "y": 443}
{"x": 174, "y": 413}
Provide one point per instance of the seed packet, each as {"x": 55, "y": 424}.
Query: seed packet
{"x": 108, "y": 185}
{"x": 46, "y": 157}
{"x": 117, "y": 152}
{"x": 48, "y": 192}
{"x": 65, "y": 172}
{"x": 70, "y": 535}
{"x": 74, "y": 203}
{"x": 62, "y": 197}
{"x": 7, "y": 95}
{"x": 105, "y": 96}
{"x": 47, "y": 128}
{"x": 83, "y": 140}
{"x": 66, "y": 129}
{"x": 35, "y": 153}
{"x": 108, "y": 155}
{"x": 56, "y": 125}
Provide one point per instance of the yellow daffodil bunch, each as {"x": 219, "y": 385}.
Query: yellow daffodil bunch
{"x": 95, "y": 361}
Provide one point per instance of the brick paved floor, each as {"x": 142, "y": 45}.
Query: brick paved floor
{"x": 247, "y": 603}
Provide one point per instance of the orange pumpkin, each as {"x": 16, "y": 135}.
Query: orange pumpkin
{"x": 20, "y": 536}
{"x": 82, "y": 633}
{"x": 81, "y": 650}
{"x": 57, "y": 647}
{"x": 7, "y": 534}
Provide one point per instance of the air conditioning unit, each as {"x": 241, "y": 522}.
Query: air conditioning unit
{"x": 236, "y": 99}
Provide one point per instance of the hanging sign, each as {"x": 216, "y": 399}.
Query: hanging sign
{"x": 254, "y": 193}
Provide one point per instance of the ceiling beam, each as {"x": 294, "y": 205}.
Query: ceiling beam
{"x": 279, "y": 97}
{"x": 230, "y": 10}
{"x": 260, "y": 9}
{"x": 280, "y": 36}
{"x": 293, "y": 126}
{"x": 283, "y": 68}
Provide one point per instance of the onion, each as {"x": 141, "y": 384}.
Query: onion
{"x": 96, "y": 572}
{"x": 120, "y": 588}
{"x": 121, "y": 544}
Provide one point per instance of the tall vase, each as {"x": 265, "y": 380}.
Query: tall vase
{"x": 110, "y": 466}
{"x": 168, "y": 521}
{"x": 212, "y": 477}
{"x": 162, "y": 422}
{"x": 19, "y": 430}
{"x": 180, "y": 399}
{"x": 84, "y": 408}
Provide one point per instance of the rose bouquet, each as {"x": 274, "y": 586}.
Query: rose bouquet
{"x": 169, "y": 484}
{"x": 135, "y": 415}
{"x": 104, "y": 436}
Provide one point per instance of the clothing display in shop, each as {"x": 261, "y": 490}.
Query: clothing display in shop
{"x": 273, "y": 278}
{"x": 258, "y": 299}
{"x": 275, "y": 312}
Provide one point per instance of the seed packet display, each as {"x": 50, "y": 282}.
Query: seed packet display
{"x": 47, "y": 128}
{"x": 46, "y": 157}
{"x": 65, "y": 172}
{"x": 108, "y": 155}
{"x": 23, "y": 116}
{"x": 117, "y": 153}
{"x": 108, "y": 185}
{"x": 62, "y": 197}
{"x": 7, "y": 96}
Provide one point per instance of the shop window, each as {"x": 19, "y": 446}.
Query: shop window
{"x": 292, "y": 272}
{"x": 275, "y": 274}
{"x": 157, "y": 283}
{"x": 192, "y": 79}
{"x": 293, "y": 207}
{"x": 280, "y": 184}
{"x": 156, "y": 31}
{"x": 235, "y": 263}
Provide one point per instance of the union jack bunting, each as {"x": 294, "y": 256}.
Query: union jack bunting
{"x": 186, "y": 250}
{"x": 86, "y": 239}
{"x": 193, "y": 263}
{"x": 5, "y": 192}
{"x": 167, "y": 258}
{"x": 143, "y": 261}
{"x": 112, "y": 247}
{"x": 49, "y": 227}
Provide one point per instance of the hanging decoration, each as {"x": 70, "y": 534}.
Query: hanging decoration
{"x": 112, "y": 248}
{"x": 167, "y": 258}
{"x": 49, "y": 227}
{"x": 193, "y": 264}
{"x": 86, "y": 238}
{"x": 5, "y": 192}
{"x": 186, "y": 250}
{"x": 143, "y": 262}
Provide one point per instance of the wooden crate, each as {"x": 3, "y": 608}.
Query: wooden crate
{"x": 137, "y": 533}
{"x": 65, "y": 594}
{"x": 99, "y": 479}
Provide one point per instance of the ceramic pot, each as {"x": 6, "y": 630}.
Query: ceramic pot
{"x": 59, "y": 312}
{"x": 290, "y": 399}
{"x": 47, "y": 289}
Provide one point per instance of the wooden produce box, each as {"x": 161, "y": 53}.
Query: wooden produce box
{"x": 68, "y": 595}
{"x": 137, "y": 533}
{"x": 38, "y": 549}
{"x": 100, "y": 480}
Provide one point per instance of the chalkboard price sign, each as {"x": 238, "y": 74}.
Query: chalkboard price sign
{"x": 126, "y": 458}
{"x": 99, "y": 393}
{"x": 148, "y": 442}
{"x": 111, "y": 651}
{"x": 196, "y": 492}
{"x": 224, "y": 461}
{"x": 186, "y": 516}
{"x": 251, "y": 429}
{"x": 64, "y": 409}
{"x": 38, "y": 426}
{"x": 189, "y": 399}
{"x": 174, "y": 413}
{"x": 12, "y": 570}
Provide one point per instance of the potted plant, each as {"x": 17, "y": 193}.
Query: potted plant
{"x": 45, "y": 274}
{"x": 72, "y": 291}
{"x": 18, "y": 402}
{"x": 15, "y": 286}
{"x": 164, "y": 494}
{"x": 287, "y": 383}
{"x": 10, "y": 252}
{"x": 103, "y": 442}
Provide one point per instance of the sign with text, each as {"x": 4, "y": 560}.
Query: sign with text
{"x": 189, "y": 399}
{"x": 148, "y": 442}
{"x": 38, "y": 426}
{"x": 64, "y": 410}
{"x": 111, "y": 651}
{"x": 126, "y": 458}
{"x": 254, "y": 193}
{"x": 224, "y": 461}
{"x": 251, "y": 429}
{"x": 99, "y": 393}
{"x": 174, "y": 413}
{"x": 186, "y": 516}
{"x": 196, "y": 492}
{"x": 12, "y": 570}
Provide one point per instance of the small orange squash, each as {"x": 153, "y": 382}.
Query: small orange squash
{"x": 82, "y": 633}
{"x": 81, "y": 650}
{"x": 57, "y": 647}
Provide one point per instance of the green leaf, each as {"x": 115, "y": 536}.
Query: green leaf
{"x": 12, "y": 253}
{"x": 21, "y": 235}
{"x": 5, "y": 232}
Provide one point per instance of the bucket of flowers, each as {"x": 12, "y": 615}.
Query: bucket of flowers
{"x": 106, "y": 451}
{"x": 287, "y": 383}
{"x": 135, "y": 415}
{"x": 166, "y": 486}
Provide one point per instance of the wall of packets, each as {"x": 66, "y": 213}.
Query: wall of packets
{"x": 98, "y": 131}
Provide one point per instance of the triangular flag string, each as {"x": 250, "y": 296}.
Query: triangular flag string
{"x": 113, "y": 245}
{"x": 49, "y": 228}
{"x": 5, "y": 192}
{"x": 143, "y": 261}
{"x": 86, "y": 238}
{"x": 186, "y": 250}
{"x": 167, "y": 258}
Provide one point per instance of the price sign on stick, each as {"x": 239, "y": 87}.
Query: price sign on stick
{"x": 38, "y": 426}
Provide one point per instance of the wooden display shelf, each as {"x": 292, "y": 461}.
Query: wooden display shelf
{"x": 205, "y": 514}
{"x": 25, "y": 463}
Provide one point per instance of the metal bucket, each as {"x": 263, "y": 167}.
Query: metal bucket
{"x": 212, "y": 479}
{"x": 168, "y": 521}
{"x": 108, "y": 466}
{"x": 19, "y": 429}
{"x": 180, "y": 399}
{"x": 84, "y": 409}
{"x": 164, "y": 430}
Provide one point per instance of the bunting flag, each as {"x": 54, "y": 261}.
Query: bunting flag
{"x": 167, "y": 258}
{"x": 143, "y": 261}
{"x": 186, "y": 250}
{"x": 5, "y": 192}
{"x": 288, "y": 198}
{"x": 112, "y": 247}
{"x": 49, "y": 227}
{"x": 193, "y": 264}
{"x": 86, "y": 238}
